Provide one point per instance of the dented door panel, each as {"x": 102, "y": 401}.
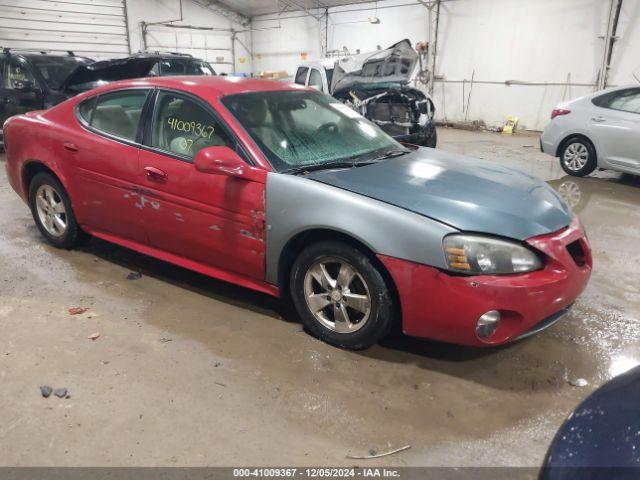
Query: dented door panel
{"x": 212, "y": 219}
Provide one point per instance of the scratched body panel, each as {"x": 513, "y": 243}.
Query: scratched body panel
{"x": 212, "y": 219}
{"x": 295, "y": 204}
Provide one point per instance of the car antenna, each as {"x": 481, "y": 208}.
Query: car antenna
{"x": 71, "y": 54}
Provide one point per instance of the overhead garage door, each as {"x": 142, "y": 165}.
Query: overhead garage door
{"x": 92, "y": 28}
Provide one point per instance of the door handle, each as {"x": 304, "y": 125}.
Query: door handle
{"x": 6, "y": 100}
{"x": 70, "y": 146}
{"x": 155, "y": 174}
{"x": 597, "y": 119}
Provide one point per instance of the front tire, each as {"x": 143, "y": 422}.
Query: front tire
{"x": 340, "y": 295}
{"x": 431, "y": 141}
{"x": 52, "y": 212}
{"x": 578, "y": 157}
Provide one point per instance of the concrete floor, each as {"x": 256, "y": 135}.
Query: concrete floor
{"x": 191, "y": 371}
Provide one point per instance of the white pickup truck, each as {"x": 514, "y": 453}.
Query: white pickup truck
{"x": 376, "y": 84}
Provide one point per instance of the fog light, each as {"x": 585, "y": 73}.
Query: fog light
{"x": 488, "y": 324}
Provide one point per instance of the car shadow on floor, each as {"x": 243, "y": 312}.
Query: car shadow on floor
{"x": 185, "y": 278}
{"x": 258, "y": 302}
{"x": 503, "y": 368}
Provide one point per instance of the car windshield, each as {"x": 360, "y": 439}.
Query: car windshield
{"x": 172, "y": 67}
{"x": 55, "y": 70}
{"x": 297, "y": 129}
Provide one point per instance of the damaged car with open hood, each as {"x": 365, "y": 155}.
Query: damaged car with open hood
{"x": 376, "y": 85}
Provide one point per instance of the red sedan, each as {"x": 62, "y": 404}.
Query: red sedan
{"x": 284, "y": 190}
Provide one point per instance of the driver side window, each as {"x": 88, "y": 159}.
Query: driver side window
{"x": 16, "y": 71}
{"x": 183, "y": 127}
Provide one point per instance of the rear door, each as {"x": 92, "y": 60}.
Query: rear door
{"x": 105, "y": 154}
{"x": 615, "y": 124}
{"x": 215, "y": 220}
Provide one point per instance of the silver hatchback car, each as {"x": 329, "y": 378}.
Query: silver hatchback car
{"x": 601, "y": 130}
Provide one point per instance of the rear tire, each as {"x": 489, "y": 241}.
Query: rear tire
{"x": 341, "y": 296}
{"x": 52, "y": 212}
{"x": 578, "y": 157}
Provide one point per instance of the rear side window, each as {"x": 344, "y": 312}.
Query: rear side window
{"x": 116, "y": 113}
{"x": 627, "y": 100}
{"x": 85, "y": 109}
{"x": 301, "y": 75}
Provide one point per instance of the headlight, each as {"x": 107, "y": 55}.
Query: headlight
{"x": 478, "y": 255}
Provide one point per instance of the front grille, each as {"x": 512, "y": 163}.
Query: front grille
{"x": 577, "y": 253}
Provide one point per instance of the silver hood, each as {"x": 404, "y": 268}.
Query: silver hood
{"x": 465, "y": 193}
{"x": 392, "y": 65}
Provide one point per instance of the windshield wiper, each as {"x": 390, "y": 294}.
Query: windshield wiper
{"x": 347, "y": 162}
{"x": 389, "y": 154}
{"x": 319, "y": 166}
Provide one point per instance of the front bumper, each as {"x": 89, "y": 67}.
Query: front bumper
{"x": 426, "y": 136}
{"x": 444, "y": 307}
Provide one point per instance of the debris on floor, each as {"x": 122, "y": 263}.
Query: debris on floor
{"x": 134, "y": 276}
{"x": 373, "y": 453}
{"x": 94, "y": 336}
{"x": 165, "y": 340}
{"x": 77, "y": 310}
{"x": 578, "y": 382}
{"x": 46, "y": 390}
{"x": 60, "y": 392}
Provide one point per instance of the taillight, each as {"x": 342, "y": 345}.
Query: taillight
{"x": 559, "y": 111}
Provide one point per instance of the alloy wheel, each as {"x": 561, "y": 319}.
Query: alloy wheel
{"x": 337, "y": 295}
{"x": 51, "y": 211}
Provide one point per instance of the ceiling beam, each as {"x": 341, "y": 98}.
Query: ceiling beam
{"x": 225, "y": 11}
{"x": 295, "y": 5}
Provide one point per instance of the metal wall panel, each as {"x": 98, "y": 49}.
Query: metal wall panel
{"x": 92, "y": 28}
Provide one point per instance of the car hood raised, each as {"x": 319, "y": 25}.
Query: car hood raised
{"x": 468, "y": 194}
{"x": 392, "y": 65}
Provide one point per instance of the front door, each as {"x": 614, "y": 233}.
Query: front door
{"x": 19, "y": 92}
{"x": 215, "y": 220}
{"x": 107, "y": 197}
{"x": 615, "y": 124}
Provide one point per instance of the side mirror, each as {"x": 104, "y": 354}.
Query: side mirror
{"x": 220, "y": 161}
{"x": 24, "y": 85}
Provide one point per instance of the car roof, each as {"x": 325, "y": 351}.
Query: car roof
{"x": 325, "y": 62}
{"x": 29, "y": 56}
{"x": 171, "y": 55}
{"x": 204, "y": 86}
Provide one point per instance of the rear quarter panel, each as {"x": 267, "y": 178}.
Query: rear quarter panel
{"x": 39, "y": 137}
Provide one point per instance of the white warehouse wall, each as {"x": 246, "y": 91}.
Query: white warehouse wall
{"x": 553, "y": 44}
{"x": 210, "y": 45}
{"x": 282, "y": 43}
